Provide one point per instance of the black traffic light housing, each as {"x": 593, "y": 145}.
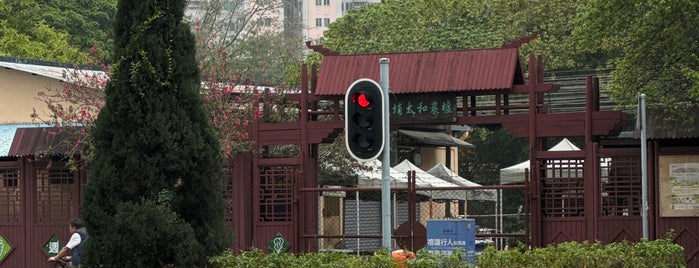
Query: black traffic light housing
{"x": 364, "y": 119}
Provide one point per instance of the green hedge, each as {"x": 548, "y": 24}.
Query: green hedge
{"x": 256, "y": 258}
{"x": 657, "y": 253}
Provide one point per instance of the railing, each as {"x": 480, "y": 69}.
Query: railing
{"x": 349, "y": 218}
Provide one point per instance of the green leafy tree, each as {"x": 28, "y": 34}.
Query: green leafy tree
{"x": 554, "y": 22}
{"x": 153, "y": 143}
{"x": 88, "y": 23}
{"x": 412, "y": 25}
{"x": 495, "y": 149}
{"x": 267, "y": 60}
{"x": 420, "y": 25}
{"x": 24, "y": 34}
{"x": 248, "y": 36}
{"x": 658, "y": 43}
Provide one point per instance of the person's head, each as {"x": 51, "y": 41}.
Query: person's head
{"x": 76, "y": 223}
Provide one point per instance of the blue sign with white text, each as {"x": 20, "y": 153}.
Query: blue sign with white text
{"x": 444, "y": 236}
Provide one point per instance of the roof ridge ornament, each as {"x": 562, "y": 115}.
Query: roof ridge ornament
{"x": 522, "y": 40}
{"x": 321, "y": 49}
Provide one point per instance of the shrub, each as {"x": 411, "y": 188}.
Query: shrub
{"x": 256, "y": 258}
{"x": 151, "y": 235}
{"x": 657, "y": 253}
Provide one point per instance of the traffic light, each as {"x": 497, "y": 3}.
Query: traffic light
{"x": 364, "y": 118}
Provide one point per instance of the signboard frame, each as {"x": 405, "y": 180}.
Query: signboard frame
{"x": 6, "y": 248}
{"x": 446, "y": 235}
{"x": 679, "y": 185}
{"x": 423, "y": 108}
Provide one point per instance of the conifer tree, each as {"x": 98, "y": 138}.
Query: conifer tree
{"x": 153, "y": 195}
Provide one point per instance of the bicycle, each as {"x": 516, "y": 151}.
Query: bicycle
{"x": 63, "y": 262}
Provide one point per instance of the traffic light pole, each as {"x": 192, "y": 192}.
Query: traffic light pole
{"x": 386, "y": 162}
{"x": 641, "y": 124}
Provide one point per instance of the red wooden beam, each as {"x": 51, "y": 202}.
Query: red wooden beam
{"x": 290, "y": 132}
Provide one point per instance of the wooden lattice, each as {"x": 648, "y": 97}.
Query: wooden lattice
{"x": 54, "y": 195}
{"x": 228, "y": 193}
{"x": 562, "y": 188}
{"x": 10, "y": 201}
{"x": 621, "y": 186}
{"x": 276, "y": 192}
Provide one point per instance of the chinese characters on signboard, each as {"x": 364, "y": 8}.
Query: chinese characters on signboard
{"x": 423, "y": 108}
{"x": 679, "y": 186}
{"x": 444, "y": 236}
{"x": 53, "y": 246}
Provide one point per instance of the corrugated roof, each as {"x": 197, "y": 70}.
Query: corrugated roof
{"x": 58, "y": 73}
{"x": 419, "y": 72}
{"x": 658, "y": 129}
{"x": 7, "y": 133}
{"x": 47, "y": 140}
{"x": 50, "y": 70}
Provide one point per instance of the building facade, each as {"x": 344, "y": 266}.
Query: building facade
{"x": 298, "y": 18}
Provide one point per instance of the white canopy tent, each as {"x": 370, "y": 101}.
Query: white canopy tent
{"x": 399, "y": 178}
{"x": 515, "y": 174}
{"x": 444, "y": 173}
{"x": 428, "y": 180}
{"x": 372, "y": 176}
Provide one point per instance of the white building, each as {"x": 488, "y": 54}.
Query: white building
{"x": 318, "y": 14}
{"x": 313, "y": 15}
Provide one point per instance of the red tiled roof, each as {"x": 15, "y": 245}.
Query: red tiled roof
{"x": 420, "y": 72}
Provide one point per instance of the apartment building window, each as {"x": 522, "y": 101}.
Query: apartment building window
{"x": 240, "y": 23}
{"x": 193, "y": 4}
{"x": 319, "y": 22}
{"x": 318, "y": 2}
{"x": 352, "y": 5}
{"x": 266, "y": 22}
{"x": 326, "y": 2}
{"x": 326, "y": 22}
{"x": 228, "y": 5}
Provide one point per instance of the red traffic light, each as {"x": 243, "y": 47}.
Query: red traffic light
{"x": 361, "y": 99}
{"x": 364, "y": 118}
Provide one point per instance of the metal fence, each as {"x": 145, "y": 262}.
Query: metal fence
{"x": 349, "y": 219}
